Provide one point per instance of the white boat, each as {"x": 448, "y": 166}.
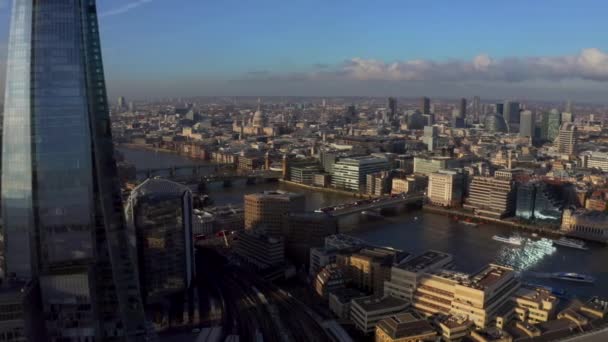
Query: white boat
{"x": 580, "y": 278}
{"x": 572, "y": 243}
{"x": 514, "y": 240}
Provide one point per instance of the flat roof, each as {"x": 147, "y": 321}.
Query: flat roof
{"x": 404, "y": 325}
{"x": 423, "y": 261}
{"x": 490, "y": 275}
{"x": 375, "y": 303}
{"x": 347, "y": 294}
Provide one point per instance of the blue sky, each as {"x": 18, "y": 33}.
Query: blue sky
{"x": 352, "y": 47}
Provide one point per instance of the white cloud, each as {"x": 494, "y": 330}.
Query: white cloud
{"x": 124, "y": 8}
{"x": 589, "y": 64}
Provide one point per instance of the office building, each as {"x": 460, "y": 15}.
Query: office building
{"x": 597, "y": 160}
{"x": 350, "y": 173}
{"x": 392, "y": 108}
{"x": 60, "y": 172}
{"x": 259, "y": 250}
{"x": 500, "y": 108}
{"x": 334, "y": 244}
{"x": 550, "y": 125}
{"x": 567, "y": 117}
{"x": 446, "y": 188}
{"x": 462, "y": 108}
{"x": 477, "y": 109}
{"x": 428, "y": 165}
{"x": 457, "y": 119}
{"x": 425, "y": 105}
{"x": 479, "y": 297}
{"x": 404, "y": 277}
{"x": 269, "y": 210}
{"x": 431, "y": 137}
{"x": 304, "y": 174}
{"x": 405, "y": 327}
{"x": 21, "y": 319}
{"x": 534, "y": 305}
{"x": 370, "y": 267}
{"x": 305, "y": 231}
{"x": 491, "y": 197}
{"x": 566, "y": 140}
{"x": 527, "y": 124}
{"x": 159, "y": 215}
{"x": 366, "y": 312}
{"x": 379, "y": 183}
{"x": 339, "y": 301}
{"x": 496, "y": 123}
{"x": 511, "y": 115}
{"x": 592, "y": 225}
{"x": 122, "y": 103}
{"x": 410, "y": 184}
{"x": 331, "y": 278}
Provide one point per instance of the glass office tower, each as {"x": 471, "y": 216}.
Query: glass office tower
{"x": 63, "y": 221}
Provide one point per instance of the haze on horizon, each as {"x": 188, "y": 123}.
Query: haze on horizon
{"x": 529, "y": 50}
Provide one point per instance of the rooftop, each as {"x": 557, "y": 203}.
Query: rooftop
{"x": 405, "y": 325}
{"x": 425, "y": 261}
{"x": 490, "y": 276}
{"x": 374, "y": 303}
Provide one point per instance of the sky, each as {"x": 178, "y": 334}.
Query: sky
{"x": 516, "y": 49}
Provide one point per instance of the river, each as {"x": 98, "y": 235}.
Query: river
{"x": 416, "y": 232}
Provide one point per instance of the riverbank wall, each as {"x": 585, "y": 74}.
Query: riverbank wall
{"x": 554, "y": 233}
{"x": 327, "y": 190}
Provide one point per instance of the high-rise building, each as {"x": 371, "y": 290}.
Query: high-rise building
{"x": 430, "y": 137}
{"x": 64, "y": 226}
{"x": 551, "y": 122}
{"x": 392, "y": 108}
{"x": 306, "y": 231}
{"x": 500, "y": 108}
{"x": 477, "y": 110}
{"x": 159, "y": 214}
{"x": 463, "y": 107}
{"x": 567, "y": 117}
{"x": 121, "y": 102}
{"x": 511, "y": 115}
{"x": 457, "y": 119}
{"x": 425, "y": 105}
{"x": 527, "y": 122}
{"x": 268, "y": 211}
{"x": 566, "y": 140}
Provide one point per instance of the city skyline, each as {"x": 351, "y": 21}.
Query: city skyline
{"x": 319, "y": 49}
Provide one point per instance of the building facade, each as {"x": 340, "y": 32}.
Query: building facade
{"x": 491, "y": 197}
{"x": 269, "y": 210}
{"x": 350, "y": 173}
{"x": 446, "y": 188}
{"x": 61, "y": 206}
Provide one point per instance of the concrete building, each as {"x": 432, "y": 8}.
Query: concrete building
{"x": 329, "y": 279}
{"x": 597, "y": 160}
{"x": 409, "y": 184}
{"x": 379, "y": 183}
{"x": 269, "y": 210}
{"x": 586, "y": 224}
{"x": 260, "y": 250}
{"x": 369, "y": 268}
{"x": 534, "y": 305}
{"x": 340, "y": 300}
{"x": 431, "y": 137}
{"x": 446, "y": 188}
{"x": 566, "y": 140}
{"x": 350, "y": 173}
{"x": 305, "y": 231}
{"x": 405, "y": 327}
{"x": 491, "y": 197}
{"x": 304, "y": 174}
{"x": 404, "y": 277}
{"x": 321, "y": 256}
{"x": 428, "y": 165}
{"x": 478, "y": 297}
{"x": 368, "y": 311}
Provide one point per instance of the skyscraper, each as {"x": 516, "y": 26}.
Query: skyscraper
{"x": 392, "y": 108}
{"x": 63, "y": 223}
{"x": 476, "y": 108}
{"x": 550, "y": 125}
{"x": 527, "y": 123}
{"x": 425, "y": 105}
{"x": 511, "y": 115}
{"x": 500, "y": 108}
{"x": 463, "y": 107}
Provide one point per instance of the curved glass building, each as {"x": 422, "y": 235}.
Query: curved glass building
{"x": 63, "y": 221}
{"x": 496, "y": 123}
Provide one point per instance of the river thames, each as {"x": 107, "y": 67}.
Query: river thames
{"x": 418, "y": 231}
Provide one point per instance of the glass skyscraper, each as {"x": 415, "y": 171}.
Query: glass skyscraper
{"x": 63, "y": 223}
